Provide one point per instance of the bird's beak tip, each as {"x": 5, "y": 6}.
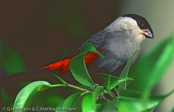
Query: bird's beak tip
{"x": 148, "y": 33}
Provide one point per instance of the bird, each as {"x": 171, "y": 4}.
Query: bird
{"x": 117, "y": 42}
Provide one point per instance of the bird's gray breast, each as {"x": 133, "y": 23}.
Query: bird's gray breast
{"x": 118, "y": 49}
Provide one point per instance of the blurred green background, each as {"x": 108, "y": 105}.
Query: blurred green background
{"x": 36, "y": 33}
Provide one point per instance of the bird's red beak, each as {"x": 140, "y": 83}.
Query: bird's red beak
{"x": 148, "y": 33}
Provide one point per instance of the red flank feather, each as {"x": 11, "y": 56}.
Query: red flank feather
{"x": 63, "y": 65}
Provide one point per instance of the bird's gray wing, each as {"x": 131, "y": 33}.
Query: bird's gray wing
{"x": 98, "y": 40}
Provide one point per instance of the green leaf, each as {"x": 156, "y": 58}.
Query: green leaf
{"x": 152, "y": 109}
{"x": 78, "y": 103}
{"x": 79, "y": 70}
{"x": 112, "y": 81}
{"x": 109, "y": 107}
{"x": 88, "y": 105}
{"x": 99, "y": 106}
{"x": 89, "y": 101}
{"x": 11, "y": 61}
{"x": 71, "y": 100}
{"x": 28, "y": 93}
{"x": 124, "y": 73}
{"x": 136, "y": 98}
{"x": 60, "y": 79}
{"x": 78, "y": 67}
{"x": 51, "y": 98}
{"x": 4, "y": 96}
{"x": 60, "y": 106}
{"x": 128, "y": 93}
{"x": 172, "y": 110}
{"x": 151, "y": 67}
{"x": 116, "y": 111}
{"x": 88, "y": 47}
{"x": 135, "y": 104}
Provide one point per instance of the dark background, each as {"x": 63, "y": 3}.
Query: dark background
{"x": 43, "y": 31}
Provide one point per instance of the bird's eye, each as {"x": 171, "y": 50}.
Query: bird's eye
{"x": 140, "y": 24}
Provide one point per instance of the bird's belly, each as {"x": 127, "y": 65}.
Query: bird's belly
{"x": 109, "y": 64}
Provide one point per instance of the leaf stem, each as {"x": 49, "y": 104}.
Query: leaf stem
{"x": 72, "y": 86}
{"x": 113, "y": 95}
{"x": 79, "y": 88}
{"x": 57, "y": 85}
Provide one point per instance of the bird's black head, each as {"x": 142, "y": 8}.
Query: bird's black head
{"x": 143, "y": 25}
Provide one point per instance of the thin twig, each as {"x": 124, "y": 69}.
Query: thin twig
{"x": 72, "y": 86}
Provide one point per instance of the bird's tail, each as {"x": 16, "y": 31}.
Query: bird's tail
{"x": 26, "y": 74}
{"x": 63, "y": 65}
{"x": 60, "y": 66}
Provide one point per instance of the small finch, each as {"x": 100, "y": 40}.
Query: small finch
{"x": 117, "y": 43}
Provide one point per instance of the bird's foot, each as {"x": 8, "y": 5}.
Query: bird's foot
{"x": 102, "y": 96}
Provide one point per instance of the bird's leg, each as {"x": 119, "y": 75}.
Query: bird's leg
{"x": 94, "y": 87}
{"x": 102, "y": 96}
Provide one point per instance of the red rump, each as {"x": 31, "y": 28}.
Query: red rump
{"x": 63, "y": 65}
